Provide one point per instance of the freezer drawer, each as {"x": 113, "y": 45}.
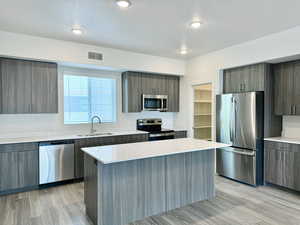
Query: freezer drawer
{"x": 56, "y": 163}
{"x": 237, "y": 164}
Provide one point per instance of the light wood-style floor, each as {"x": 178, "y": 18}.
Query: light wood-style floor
{"x": 235, "y": 204}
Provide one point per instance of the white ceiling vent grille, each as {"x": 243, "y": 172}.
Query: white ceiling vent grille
{"x": 95, "y": 56}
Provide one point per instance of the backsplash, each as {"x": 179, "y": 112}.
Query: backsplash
{"x": 291, "y": 126}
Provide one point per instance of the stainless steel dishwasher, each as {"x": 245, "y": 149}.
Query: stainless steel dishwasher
{"x": 56, "y": 161}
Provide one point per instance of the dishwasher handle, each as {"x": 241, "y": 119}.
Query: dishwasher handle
{"x": 62, "y": 142}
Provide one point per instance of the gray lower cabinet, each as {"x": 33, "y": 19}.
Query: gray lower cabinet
{"x": 101, "y": 141}
{"x": 282, "y": 164}
{"x": 16, "y": 76}
{"x": 135, "y": 84}
{"x": 28, "y": 87}
{"x": 180, "y": 134}
{"x": 18, "y": 167}
{"x": 245, "y": 79}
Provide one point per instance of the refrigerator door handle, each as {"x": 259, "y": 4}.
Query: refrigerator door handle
{"x": 241, "y": 152}
{"x": 232, "y": 119}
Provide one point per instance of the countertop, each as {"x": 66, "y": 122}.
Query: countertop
{"x": 284, "y": 139}
{"x": 126, "y": 152}
{"x": 27, "y": 138}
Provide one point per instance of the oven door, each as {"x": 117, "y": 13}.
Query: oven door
{"x": 155, "y": 102}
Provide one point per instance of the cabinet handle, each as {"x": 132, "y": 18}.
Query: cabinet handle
{"x": 295, "y": 109}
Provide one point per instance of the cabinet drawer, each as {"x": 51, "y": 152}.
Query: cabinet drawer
{"x": 18, "y": 147}
{"x": 282, "y": 146}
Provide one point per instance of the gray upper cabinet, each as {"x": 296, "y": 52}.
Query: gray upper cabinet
{"x": 283, "y": 88}
{"x": 44, "y": 88}
{"x": 135, "y": 84}
{"x": 28, "y": 87}
{"x": 257, "y": 77}
{"x": 16, "y": 86}
{"x": 131, "y": 92}
{"x": 173, "y": 94}
{"x": 245, "y": 79}
{"x": 287, "y": 88}
{"x": 296, "y": 88}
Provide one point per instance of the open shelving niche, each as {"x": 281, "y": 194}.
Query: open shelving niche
{"x": 202, "y": 111}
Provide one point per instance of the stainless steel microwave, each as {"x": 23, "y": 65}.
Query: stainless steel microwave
{"x": 155, "y": 103}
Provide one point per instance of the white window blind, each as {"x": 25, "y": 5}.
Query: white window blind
{"x": 85, "y": 97}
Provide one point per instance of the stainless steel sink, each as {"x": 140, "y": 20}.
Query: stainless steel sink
{"x": 95, "y": 134}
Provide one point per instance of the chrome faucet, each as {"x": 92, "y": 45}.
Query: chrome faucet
{"x": 92, "y": 125}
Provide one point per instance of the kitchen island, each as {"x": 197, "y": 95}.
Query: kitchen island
{"x": 127, "y": 182}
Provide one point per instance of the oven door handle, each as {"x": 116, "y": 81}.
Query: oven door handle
{"x": 162, "y": 134}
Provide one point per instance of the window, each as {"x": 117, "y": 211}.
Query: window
{"x": 85, "y": 97}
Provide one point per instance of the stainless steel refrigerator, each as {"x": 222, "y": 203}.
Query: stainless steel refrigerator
{"x": 240, "y": 122}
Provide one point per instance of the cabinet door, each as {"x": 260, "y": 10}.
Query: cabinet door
{"x": 44, "y": 88}
{"x": 282, "y": 164}
{"x": 233, "y": 82}
{"x": 283, "y": 88}
{"x": 227, "y": 81}
{"x": 131, "y": 92}
{"x": 296, "y": 98}
{"x": 18, "y": 169}
{"x": 173, "y": 93}
{"x": 28, "y": 168}
{"x": 162, "y": 85}
{"x": 255, "y": 77}
{"x": 16, "y": 78}
{"x": 274, "y": 166}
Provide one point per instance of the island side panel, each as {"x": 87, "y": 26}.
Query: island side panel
{"x": 200, "y": 175}
{"x": 189, "y": 178}
{"x": 91, "y": 188}
{"x": 132, "y": 190}
{"x": 137, "y": 189}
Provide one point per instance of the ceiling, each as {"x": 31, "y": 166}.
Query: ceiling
{"x": 157, "y": 27}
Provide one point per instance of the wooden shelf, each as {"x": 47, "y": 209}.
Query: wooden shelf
{"x": 202, "y": 101}
{"x": 203, "y": 90}
{"x": 202, "y": 127}
{"x": 202, "y": 112}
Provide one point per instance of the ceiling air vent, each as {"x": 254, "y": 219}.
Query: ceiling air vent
{"x": 95, "y": 56}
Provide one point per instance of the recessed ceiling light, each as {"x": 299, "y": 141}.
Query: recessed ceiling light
{"x": 195, "y": 24}
{"x": 123, "y": 3}
{"x": 77, "y": 30}
{"x": 183, "y": 51}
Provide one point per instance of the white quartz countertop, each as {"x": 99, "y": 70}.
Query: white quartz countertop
{"x": 27, "y": 138}
{"x": 126, "y": 152}
{"x": 284, "y": 139}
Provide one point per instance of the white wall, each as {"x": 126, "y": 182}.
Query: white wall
{"x": 75, "y": 55}
{"x": 70, "y": 53}
{"x": 39, "y": 124}
{"x": 207, "y": 68}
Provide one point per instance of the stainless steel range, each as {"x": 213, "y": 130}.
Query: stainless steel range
{"x": 153, "y": 126}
